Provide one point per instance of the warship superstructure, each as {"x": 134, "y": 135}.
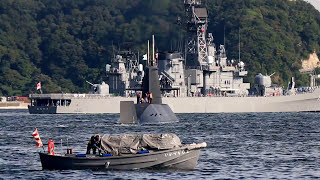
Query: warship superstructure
{"x": 205, "y": 69}
{"x": 124, "y": 73}
{"x": 200, "y": 80}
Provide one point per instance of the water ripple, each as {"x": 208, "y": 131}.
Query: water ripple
{"x": 240, "y": 146}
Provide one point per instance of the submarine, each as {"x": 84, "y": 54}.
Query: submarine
{"x": 154, "y": 112}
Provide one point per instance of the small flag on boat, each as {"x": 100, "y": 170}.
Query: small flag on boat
{"x": 35, "y": 134}
{"x": 39, "y": 85}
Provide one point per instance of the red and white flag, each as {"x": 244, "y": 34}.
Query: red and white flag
{"x": 35, "y": 134}
{"x": 39, "y": 85}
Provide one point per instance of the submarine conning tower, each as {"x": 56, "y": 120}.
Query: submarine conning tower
{"x": 151, "y": 84}
{"x": 145, "y": 113}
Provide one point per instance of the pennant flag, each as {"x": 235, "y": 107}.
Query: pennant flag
{"x": 157, "y": 55}
{"x": 36, "y": 136}
{"x": 39, "y": 85}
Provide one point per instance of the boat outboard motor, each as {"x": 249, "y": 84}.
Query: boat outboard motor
{"x": 145, "y": 113}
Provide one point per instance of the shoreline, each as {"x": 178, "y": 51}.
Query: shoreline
{"x": 14, "y": 105}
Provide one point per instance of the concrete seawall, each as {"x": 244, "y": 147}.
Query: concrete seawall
{"x": 14, "y": 105}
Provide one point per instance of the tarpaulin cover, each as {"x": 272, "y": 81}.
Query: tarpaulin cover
{"x": 133, "y": 143}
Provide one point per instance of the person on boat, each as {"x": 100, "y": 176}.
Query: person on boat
{"x": 138, "y": 98}
{"x": 142, "y": 100}
{"x": 94, "y": 144}
{"x": 146, "y": 98}
{"x": 150, "y": 98}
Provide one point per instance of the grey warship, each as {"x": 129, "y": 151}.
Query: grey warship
{"x": 200, "y": 80}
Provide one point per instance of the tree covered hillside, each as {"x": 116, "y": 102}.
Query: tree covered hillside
{"x": 63, "y": 43}
{"x": 275, "y": 34}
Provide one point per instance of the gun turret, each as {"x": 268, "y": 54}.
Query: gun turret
{"x": 102, "y": 88}
{"x": 90, "y": 83}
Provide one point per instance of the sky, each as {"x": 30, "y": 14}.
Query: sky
{"x": 315, "y": 3}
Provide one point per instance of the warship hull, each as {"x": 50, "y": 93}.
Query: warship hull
{"x": 304, "y": 102}
{"x": 78, "y": 104}
{"x": 178, "y": 158}
{"x": 307, "y": 102}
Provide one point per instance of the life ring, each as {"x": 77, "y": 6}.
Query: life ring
{"x": 51, "y": 147}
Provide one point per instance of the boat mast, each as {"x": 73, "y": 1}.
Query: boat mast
{"x": 148, "y": 57}
{"x": 152, "y": 50}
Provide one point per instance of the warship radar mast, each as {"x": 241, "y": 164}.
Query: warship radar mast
{"x": 196, "y": 25}
{"x": 205, "y": 69}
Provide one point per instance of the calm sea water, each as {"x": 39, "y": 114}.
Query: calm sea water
{"x": 249, "y": 146}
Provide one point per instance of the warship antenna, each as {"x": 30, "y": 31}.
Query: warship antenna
{"x": 114, "y": 56}
{"x": 224, "y": 35}
{"x": 180, "y": 39}
{"x": 239, "y": 46}
{"x": 185, "y": 51}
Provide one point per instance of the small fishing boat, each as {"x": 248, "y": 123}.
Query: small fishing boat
{"x": 128, "y": 152}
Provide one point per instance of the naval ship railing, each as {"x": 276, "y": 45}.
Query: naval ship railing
{"x": 69, "y": 96}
